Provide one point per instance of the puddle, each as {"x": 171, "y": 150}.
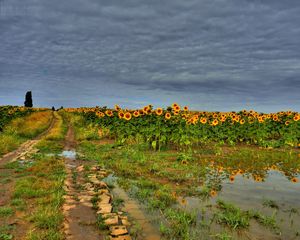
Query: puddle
{"x": 145, "y": 221}
{"x": 70, "y": 154}
{"x": 248, "y": 194}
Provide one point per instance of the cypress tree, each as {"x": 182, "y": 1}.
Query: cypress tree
{"x": 28, "y": 99}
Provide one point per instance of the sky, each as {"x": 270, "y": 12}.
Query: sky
{"x": 213, "y": 55}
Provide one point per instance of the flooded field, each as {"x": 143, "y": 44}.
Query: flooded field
{"x": 209, "y": 192}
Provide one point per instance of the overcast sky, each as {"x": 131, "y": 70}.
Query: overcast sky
{"x": 208, "y": 54}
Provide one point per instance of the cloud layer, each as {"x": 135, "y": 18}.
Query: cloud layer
{"x": 209, "y": 54}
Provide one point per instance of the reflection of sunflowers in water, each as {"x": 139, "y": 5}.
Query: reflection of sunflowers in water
{"x": 167, "y": 115}
{"x": 213, "y": 193}
{"x": 159, "y": 111}
{"x": 294, "y": 180}
{"x": 127, "y": 116}
{"x": 231, "y": 178}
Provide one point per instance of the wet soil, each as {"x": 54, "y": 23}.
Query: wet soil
{"x": 80, "y": 217}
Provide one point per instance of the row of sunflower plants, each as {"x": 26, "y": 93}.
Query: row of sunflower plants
{"x": 181, "y": 127}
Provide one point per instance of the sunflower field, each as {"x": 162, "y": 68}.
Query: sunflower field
{"x": 180, "y": 127}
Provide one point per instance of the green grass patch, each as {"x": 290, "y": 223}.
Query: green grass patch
{"x": 6, "y": 211}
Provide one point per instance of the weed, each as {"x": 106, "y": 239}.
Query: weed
{"x": 231, "y": 216}
{"x": 6, "y": 211}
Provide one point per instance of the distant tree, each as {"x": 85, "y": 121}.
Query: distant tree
{"x": 53, "y": 108}
{"x": 28, "y": 99}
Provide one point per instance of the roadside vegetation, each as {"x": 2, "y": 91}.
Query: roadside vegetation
{"x": 33, "y": 210}
{"x": 21, "y": 129}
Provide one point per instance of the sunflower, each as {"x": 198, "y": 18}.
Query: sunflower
{"x": 176, "y": 109}
{"x": 287, "y": 123}
{"x": 141, "y": 112}
{"x": 242, "y": 121}
{"x": 145, "y": 109}
{"x": 174, "y": 105}
{"x": 127, "y": 116}
{"x": 203, "y": 120}
{"x": 136, "y": 113}
{"x": 109, "y": 113}
{"x": 121, "y": 114}
{"x": 167, "y": 115}
{"x": 159, "y": 111}
{"x": 117, "y": 107}
{"x": 215, "y": 122}
{"x": 185, "y": 108}
{"x": 275, "y": 118}
{"x": 176, "y": 112}
{"x": 296, "y": 118}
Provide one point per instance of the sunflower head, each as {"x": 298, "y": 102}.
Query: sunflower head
{"x": 117, "y": 107}
{"x": 136, "y": 113}
{"x": 121, "y": 114}
{"x": 203, "y": 120}
{"x": 159, "y": 111}
{"x": 167, "y": 115}
{"x": 185, "y": 108}
{"x": 109, "y": 113}
{"x": 174, "y": 105}
{"x": 127, "y": 116}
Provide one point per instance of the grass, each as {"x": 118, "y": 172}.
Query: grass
{"x": 6, "y": 211}
{"x": 21, "y": 129}
{"x": 231, "y": 215}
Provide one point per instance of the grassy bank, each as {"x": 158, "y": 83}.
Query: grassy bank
{"x": 22, "y": 129}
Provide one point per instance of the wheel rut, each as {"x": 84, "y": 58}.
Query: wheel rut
{"x": 80, "y": 217}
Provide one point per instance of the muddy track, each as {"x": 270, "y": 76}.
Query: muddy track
{"x": 80, "y": 217}
{"x": 27, "y": 146}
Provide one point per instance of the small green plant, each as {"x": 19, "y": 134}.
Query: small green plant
{"x": 6, "y": 211}
{"x": 231, "y": 215}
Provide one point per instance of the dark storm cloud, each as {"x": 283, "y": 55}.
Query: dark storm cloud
{"x": 221, "y": 54}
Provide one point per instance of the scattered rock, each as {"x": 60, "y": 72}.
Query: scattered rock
{"x": 104, "y": 199}
{"x": 104, "y": 208}
{"x": 110, "y": 219}
{"x": 123, "y": 237}
{"x": 118, "y": 230}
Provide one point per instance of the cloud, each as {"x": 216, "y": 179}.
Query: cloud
{"x": 100, "y": 52}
